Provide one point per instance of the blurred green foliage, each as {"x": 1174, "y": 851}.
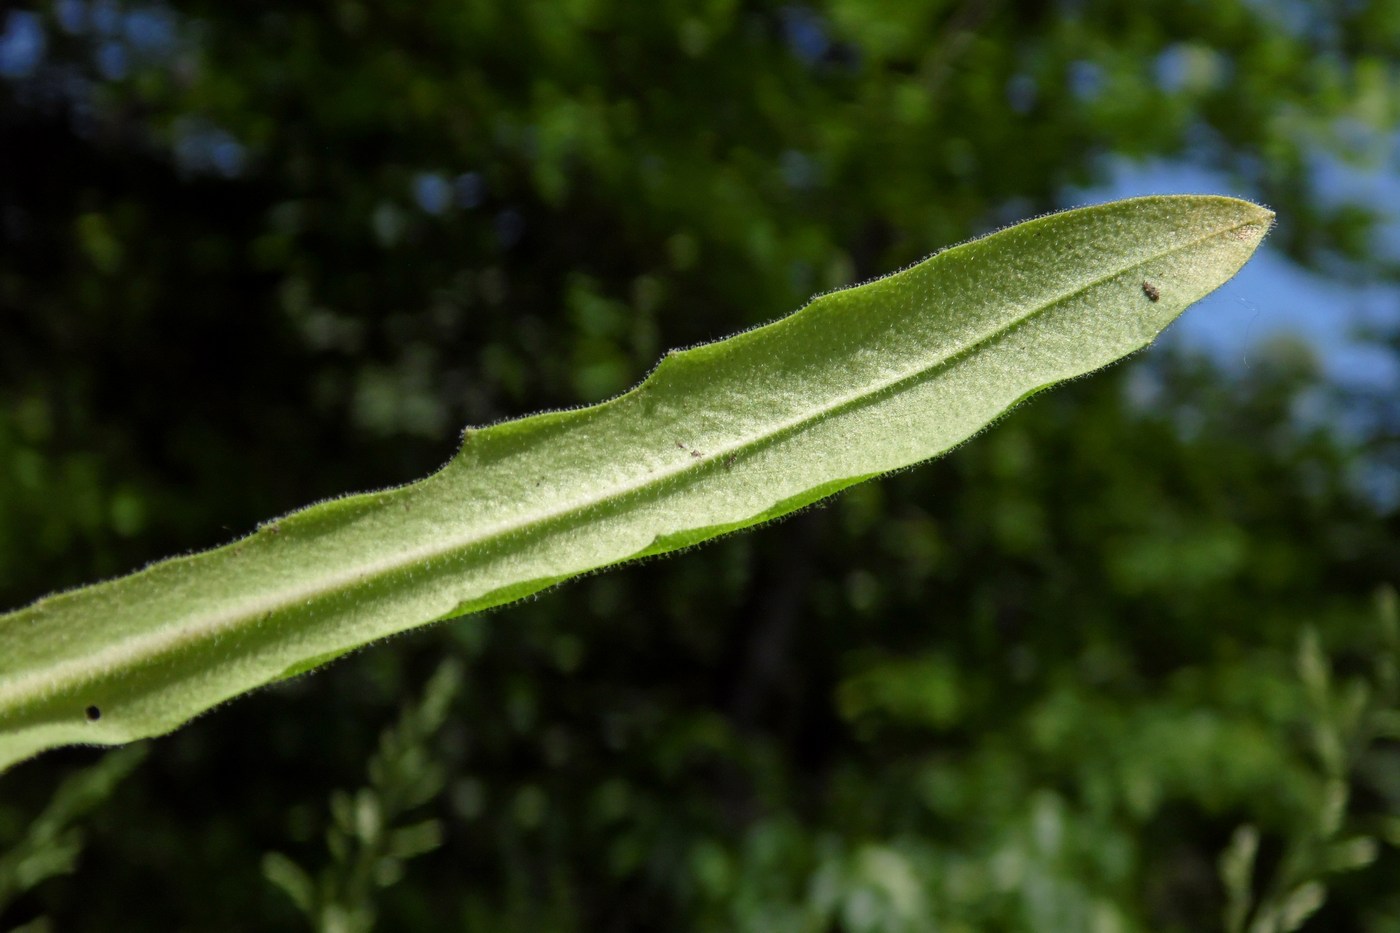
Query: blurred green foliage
{"x": 48, "y": 844}
{"x": 368, "y": 850}
{"x": 255, "y": 254}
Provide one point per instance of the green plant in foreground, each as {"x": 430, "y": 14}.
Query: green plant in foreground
{"x": 367, "y": 849}
{"x": 719, "y": 437}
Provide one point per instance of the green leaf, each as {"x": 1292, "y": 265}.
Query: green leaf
{"x": 719, "y": 437}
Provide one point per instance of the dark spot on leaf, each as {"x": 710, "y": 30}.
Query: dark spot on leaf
{"x": 92, "y": 713}
{"x": 1150, "y": 291}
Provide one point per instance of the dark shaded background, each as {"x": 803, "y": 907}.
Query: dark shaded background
{"x": 255, "y": 254}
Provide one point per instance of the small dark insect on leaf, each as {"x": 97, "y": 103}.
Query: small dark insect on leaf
{"x": 1150, "y": 291}
{"x": 92, "y": 713}
{"x": 729, "y": 461}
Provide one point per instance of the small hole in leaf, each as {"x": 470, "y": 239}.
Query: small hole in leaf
{"x": 93, "y": 714}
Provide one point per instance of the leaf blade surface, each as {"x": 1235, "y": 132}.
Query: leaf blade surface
{"x": 721, "y": 436}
